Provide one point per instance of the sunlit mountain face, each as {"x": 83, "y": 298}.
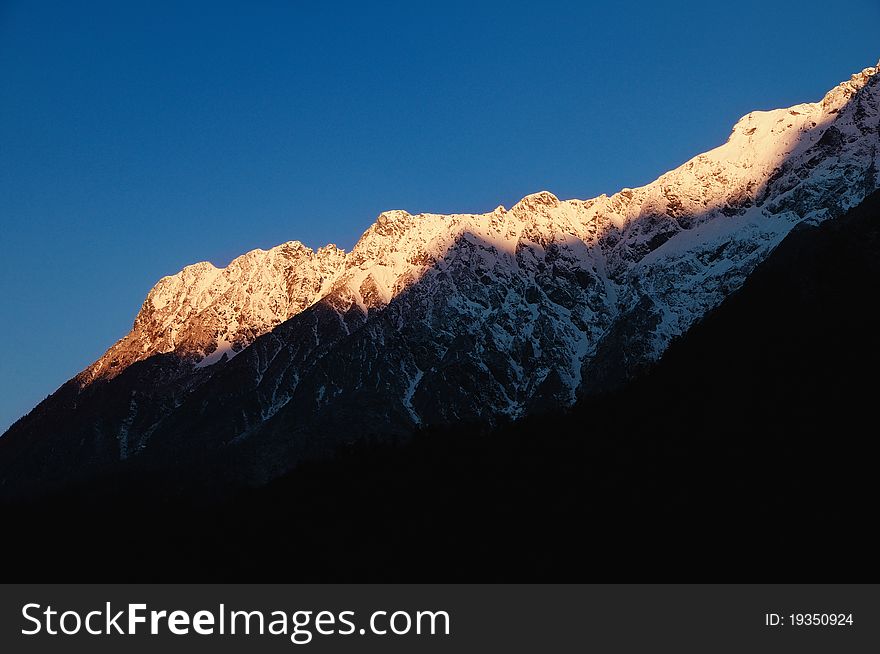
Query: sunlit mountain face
{"x": 290, "y": 354}
{"x": 752, "y": 434}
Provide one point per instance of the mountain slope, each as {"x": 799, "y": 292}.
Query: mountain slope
{"x": 747, "y": 450}
{"x": 437, "y": 319}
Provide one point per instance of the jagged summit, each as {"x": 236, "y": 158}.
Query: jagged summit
{"x": 840, "y": 94}
{"x": 439, "y": 318}
{"x": 203, "y": 308}
{"x": 541, "y": 198}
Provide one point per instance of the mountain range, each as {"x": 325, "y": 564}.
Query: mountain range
{"x": 287, "y": 355}
{"x": 747, "y": 450}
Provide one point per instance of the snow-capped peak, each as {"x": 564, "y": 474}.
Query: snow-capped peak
{"x": 204, "y": 309}
{"x": 671, "y": 250}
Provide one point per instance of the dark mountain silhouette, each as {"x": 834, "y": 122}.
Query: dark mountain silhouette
{"x": 747, "y": 452}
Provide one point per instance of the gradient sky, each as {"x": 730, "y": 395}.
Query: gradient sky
{"x": 138, "y": 137}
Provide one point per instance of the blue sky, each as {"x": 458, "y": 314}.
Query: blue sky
{"x": 138, "y": 137}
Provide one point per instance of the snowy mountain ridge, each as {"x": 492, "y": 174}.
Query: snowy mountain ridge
{"x": 433, "y": 319}
{"x": 203, "y": 312}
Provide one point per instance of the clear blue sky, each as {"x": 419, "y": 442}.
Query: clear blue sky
{"x": 138, "y": 137}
